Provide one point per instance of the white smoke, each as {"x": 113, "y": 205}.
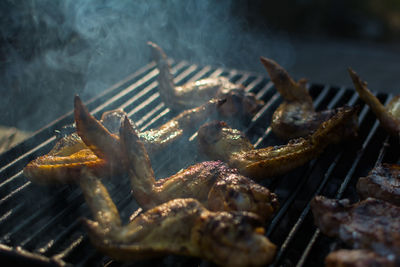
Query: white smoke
{"x": 84, "y": 47}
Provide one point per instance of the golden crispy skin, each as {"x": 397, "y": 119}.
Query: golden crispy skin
{"x": 179, "y": 226}
{"x": 382, "y": 182}
{"x": 296, "y": 116}
{"x": 100, "y": 143}
{"x": 388, "y": 116}
{"x": 218, "y": 141}
{"x": 370, "y": 224}
{"x": 357, "y": 258}
{"x": 70, "y": 154}
{"x": 214, "y": 184}
{"x": 238, "y": 101}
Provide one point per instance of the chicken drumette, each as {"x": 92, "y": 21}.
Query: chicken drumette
{"x": 220, "y": 142}
{"x": 214, "y": 184}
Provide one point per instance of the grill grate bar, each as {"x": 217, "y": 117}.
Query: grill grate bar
{"x": 268, "y": 87}
{"x": 201, "y": 73}
{"x": 24, "y": 158}
{"x": 305, "y": 212}
{"x": 263, "y": 92}
{"x": 283, "y": 210}
{"x": 253, "y": 84}
{"x": 14, "y": 192}
{"x": 152, "y": 113}
{"x": 307, "y": 251}
{"x": 382, "y": 152}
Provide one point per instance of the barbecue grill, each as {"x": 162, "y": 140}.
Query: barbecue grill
{"x": 39, "y": 225}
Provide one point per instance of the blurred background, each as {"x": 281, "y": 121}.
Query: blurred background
{"x": 51, "y": 50}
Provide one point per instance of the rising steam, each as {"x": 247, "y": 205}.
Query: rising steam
{"x": 54, "y": 49}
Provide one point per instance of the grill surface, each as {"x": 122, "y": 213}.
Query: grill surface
{"x": 40, "y": 224}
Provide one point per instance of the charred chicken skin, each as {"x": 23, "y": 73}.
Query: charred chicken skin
{"x": 193, "y": 94}
{"x": 179, "y": 226}
{"x": 370, "y": 224}
{"x": 65, "y": 161}
{"x": 220, "y": 142}
{"x": 357, "y": 258}
{"x": 214, "y": 184}
{"x": 382, "y": 182}
{"x": 296, "y": 116}
{"x": 388, "y": 116}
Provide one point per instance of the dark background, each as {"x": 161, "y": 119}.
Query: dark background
{"x": 51, "y": 50}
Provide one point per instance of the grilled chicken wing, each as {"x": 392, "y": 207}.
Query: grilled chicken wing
{"x": 238, "y": 101}
{"x": 70, "y": 154}
{"x": 357, "y": 258}
{"x": 383, "y": 182}
{"x": 296, "y": 116}
{"x": 218, "y": 141}
{"x": 179, "y": 226}
{"x": 96, "y": 144}
{"x": 214, "y": 184}
{"x": 370, "y": 224}
{"x": 388, "y": 116}
{"x": 94, "y": 134}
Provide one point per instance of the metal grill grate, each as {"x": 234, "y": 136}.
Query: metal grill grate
{"x": 40, "y": 225}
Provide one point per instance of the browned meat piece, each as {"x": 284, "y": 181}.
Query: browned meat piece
{"x": 214, "y": 184}
{"x": 357, "y": 258}
{"x": 193, "y": 94}
{"x": 296, "y": 116}
{"x": 388, "y": 116}
{"x": 382, "y": 182}
{"x": 370, "y": 224}
{"x": 96, "y": 143}
{"x": 220, "y": 142}
{"x": 179, "y": 226}
{"x": 70, "y": 154}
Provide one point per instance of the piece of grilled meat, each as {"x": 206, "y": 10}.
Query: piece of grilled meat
{"x": 70, "y": 154}
{"x": 214, "y": 184}
{"x": 96, "y": 143}
{"x": 382, "y": 182}
{"x": 193, "y": 94}
{"x": 358, "y": 258}
{"x": 220, "y": 142}
{"x": 296, "y": 116}
{"x": 179, "y": 226}
{"x": 370, "y": 224}
{"x": 388, "y": 116}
